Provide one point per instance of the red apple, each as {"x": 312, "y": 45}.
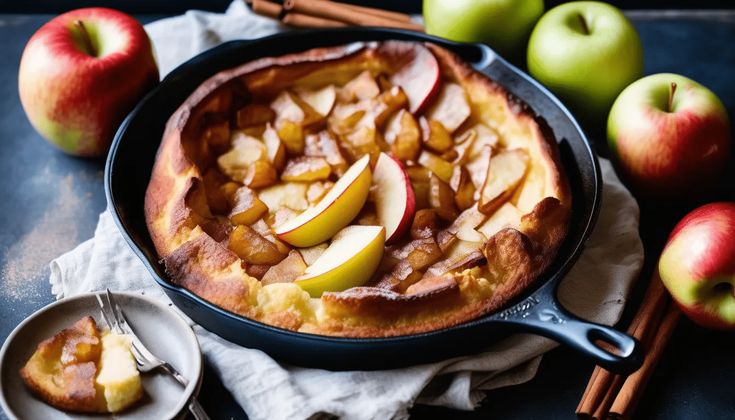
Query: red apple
{"x": 418, "y": 72}
{"x": 394, "y": 199}
{"x": 698, "y": 265}
{"x": 669, "y": 135}
{"x": 81, "y": 73}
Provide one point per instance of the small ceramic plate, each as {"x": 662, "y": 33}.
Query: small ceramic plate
{"x": 164, "y": 332}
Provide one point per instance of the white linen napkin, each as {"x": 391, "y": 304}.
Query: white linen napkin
{"x": 595, "y": 289}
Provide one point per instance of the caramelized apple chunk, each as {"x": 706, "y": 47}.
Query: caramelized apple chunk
{"x": 253, "y": 248}
{"x": 320, "y": 100}
{"x": 387, "y": 103}
{"x": 344, "y": 119}
{"x": 287, "y": 270}
{"x": 323, "y": 144}
{"x": 275, "y": 149}
{"x": 437, "y": 165}
{"x": 361, "y": 87}
{"x": 435, "y": 136}
{"x": 402, "y": 134}
{"x": 290, "y": 107}
{"x": 247, "y": 208}
{"x": 419, "y": 177}
{"x": 420, "y": 253}
{"x": 464, "y": 189}
{"x": 441, "y": 198}
{"x": 292, "y": 136}
{"x": 424, "y": 224}
{"x": 265, "y": 231}
{"x": 361, "y": 142}
{"x": 306, "y": 169}
{"x": 260, "y": 174}
{"x": 244, "y": 153}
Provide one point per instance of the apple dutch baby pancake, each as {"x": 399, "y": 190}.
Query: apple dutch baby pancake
{"x": 365, "y": 190}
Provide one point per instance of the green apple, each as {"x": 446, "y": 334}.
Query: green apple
{"x": 669, "y": 136}
{"x": 502, "y": 24}
{"x": 586, "y": 52}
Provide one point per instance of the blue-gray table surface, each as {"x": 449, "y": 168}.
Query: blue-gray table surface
{"x": 49, "y": 203}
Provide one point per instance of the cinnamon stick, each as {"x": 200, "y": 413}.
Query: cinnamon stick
{"x": 608, "y": 397}
{"x": 627, "y": 399}
{"x": 604, "y": 385}
{"x": 387, "y": 14}
{"x": 267, "y": 8}
{"x": 338, "y": 11}
{"x": 306, "y": 21}
{"x": 275, "y": 11}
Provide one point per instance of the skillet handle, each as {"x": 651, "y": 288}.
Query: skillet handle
{"x": 542, "y": 315}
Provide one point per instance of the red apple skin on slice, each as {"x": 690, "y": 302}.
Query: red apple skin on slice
{"x": 418, "y": 72}
{"x": 395, "y": 202}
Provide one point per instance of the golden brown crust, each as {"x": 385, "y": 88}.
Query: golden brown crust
{"x": 195, "y": 259}
{"x": 210, "y": 270}
{"x": 62, "y": 370}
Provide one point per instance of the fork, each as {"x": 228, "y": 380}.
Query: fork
{"x": 146, "y": 361}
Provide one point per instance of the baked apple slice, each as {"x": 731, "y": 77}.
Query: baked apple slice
{"x": 290, "y": 107}
{"x": 289, "y": 194}
{"x": 394, "y": 199}
{"x": 320, "y": 100}
{"x": 350, "y": 261}
{"x": 441, "y": 199}
{"x": 275, "y": 149}
{"x": 504, "y": 174}
{"x": 418, "y": 75}
{"x": 464, "y": 189}
{"x": 505, "y": 216}
{"x": 361, "y": 87}
{"x": 335, "y": 211}
{"x": 438, "y": 166}
{"x": 451, "y": 108}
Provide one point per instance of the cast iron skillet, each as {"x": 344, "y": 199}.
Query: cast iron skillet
{"x": 134, "y": 149}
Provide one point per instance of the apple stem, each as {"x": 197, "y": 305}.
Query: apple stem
{"x": 583, "y": 23}
{"x": 86, "y": 38}
{"x": 672, "y": 91}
